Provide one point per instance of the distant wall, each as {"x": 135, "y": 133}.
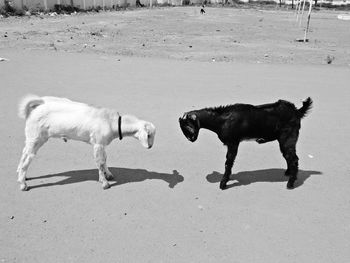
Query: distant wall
{"x": 83, "y": 4}
{"x": 88, "y": 4}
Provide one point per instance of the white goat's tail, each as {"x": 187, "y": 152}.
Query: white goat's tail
{"x": 27, "y": 104}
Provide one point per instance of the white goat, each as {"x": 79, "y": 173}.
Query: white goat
{"x": 62, "y": 118}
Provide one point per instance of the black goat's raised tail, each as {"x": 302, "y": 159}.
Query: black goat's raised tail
{"x": 305, "y": 109}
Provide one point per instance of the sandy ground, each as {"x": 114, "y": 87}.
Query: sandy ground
{"x": 165, "y": 205}
{"x": 244, "y": 35}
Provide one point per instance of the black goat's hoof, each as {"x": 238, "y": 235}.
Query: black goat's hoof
{"x": 223, "y": 185}
{"x": 290, "y": 185}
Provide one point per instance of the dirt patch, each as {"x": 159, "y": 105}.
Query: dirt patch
{"x": 221, "y": 34}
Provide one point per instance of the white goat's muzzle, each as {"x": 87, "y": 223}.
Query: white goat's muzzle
{"x": 146, "y": 135}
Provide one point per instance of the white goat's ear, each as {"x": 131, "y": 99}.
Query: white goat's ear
{"x": 142, "y": 136}
{"x": 147, "y": 128}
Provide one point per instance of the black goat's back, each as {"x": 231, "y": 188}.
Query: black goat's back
{"x": 245, "y": 121}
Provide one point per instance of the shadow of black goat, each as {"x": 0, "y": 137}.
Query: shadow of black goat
{"x": 266, "y": 175}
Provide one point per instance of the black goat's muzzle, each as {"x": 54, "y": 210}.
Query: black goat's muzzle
{"x": 188, "y": 129}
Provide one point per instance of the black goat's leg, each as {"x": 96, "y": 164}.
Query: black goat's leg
{"x": 288, "y": 148}
{"x": 293, "y": 166}
{"x": 230, "y": 158}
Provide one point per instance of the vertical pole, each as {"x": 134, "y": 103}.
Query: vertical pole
{"x": 298, "y": 12}
{"x": 58, "y": 3}
{"x": 308, "y": 20}
{"x": 302, "y": 13}
{"x": 84, "y": 4}
{"x": 299, "y": 7}
{"x": 94, "y": 4}
{"x": 150, "y": 3}
{"x": 103, "y": 5}
{"x": 296, "y": 6}
{"x": 45, "y": 4}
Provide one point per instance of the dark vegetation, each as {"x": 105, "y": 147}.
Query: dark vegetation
{"x": 9, "y": 10}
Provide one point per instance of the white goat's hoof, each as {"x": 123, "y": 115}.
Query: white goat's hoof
{"x": 109, "y": 177}
{"x": 105, "y": 185}
{"x": 24, "y": 187}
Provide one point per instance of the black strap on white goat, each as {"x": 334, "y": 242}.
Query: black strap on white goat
{"x": 120, "y": 127}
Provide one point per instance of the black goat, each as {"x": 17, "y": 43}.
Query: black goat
{"x": 235, "y": 123}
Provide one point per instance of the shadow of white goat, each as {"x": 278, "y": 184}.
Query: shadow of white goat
{"x": 48, "y": 117}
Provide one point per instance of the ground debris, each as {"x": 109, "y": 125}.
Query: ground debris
{"x": 329, "y": 59}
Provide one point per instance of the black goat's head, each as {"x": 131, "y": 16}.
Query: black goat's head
{"x": 189, "y": 124}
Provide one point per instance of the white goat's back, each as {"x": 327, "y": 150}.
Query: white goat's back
{"x": 63, "y": 105}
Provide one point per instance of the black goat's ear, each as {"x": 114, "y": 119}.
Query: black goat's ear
{"x": 193, "y": 117}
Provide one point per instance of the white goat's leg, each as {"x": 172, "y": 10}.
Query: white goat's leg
{"x": 23, "y": 167}
{"x": 23, "y": 157}
{"x": 28, "y": 155}
{"x": 100, "y": 159}
{"x": 109, "y": 175}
